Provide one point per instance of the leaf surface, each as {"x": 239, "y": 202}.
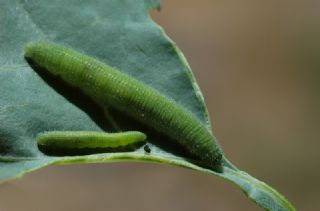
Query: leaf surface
{"x": 121, "y": 34}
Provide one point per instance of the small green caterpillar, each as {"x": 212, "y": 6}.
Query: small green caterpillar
{"x": 109, "y": 87}
{"x": 89, "y": 141}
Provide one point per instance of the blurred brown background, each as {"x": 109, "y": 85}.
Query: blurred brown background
{"x": 258, "y": 65}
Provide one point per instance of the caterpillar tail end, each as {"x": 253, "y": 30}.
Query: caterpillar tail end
{"x": 29, "y": 50}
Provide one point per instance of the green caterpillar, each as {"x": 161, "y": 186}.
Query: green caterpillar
{"x": 89, "y": 141}
{"x": 108, "y": 87}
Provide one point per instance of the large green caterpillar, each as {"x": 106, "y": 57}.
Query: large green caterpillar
{"x": 109, "y": 87}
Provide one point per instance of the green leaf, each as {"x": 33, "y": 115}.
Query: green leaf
{"x": 121, "y": 34}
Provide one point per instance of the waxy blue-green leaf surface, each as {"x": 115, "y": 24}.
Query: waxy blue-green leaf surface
{"x": 119, "y": 33}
